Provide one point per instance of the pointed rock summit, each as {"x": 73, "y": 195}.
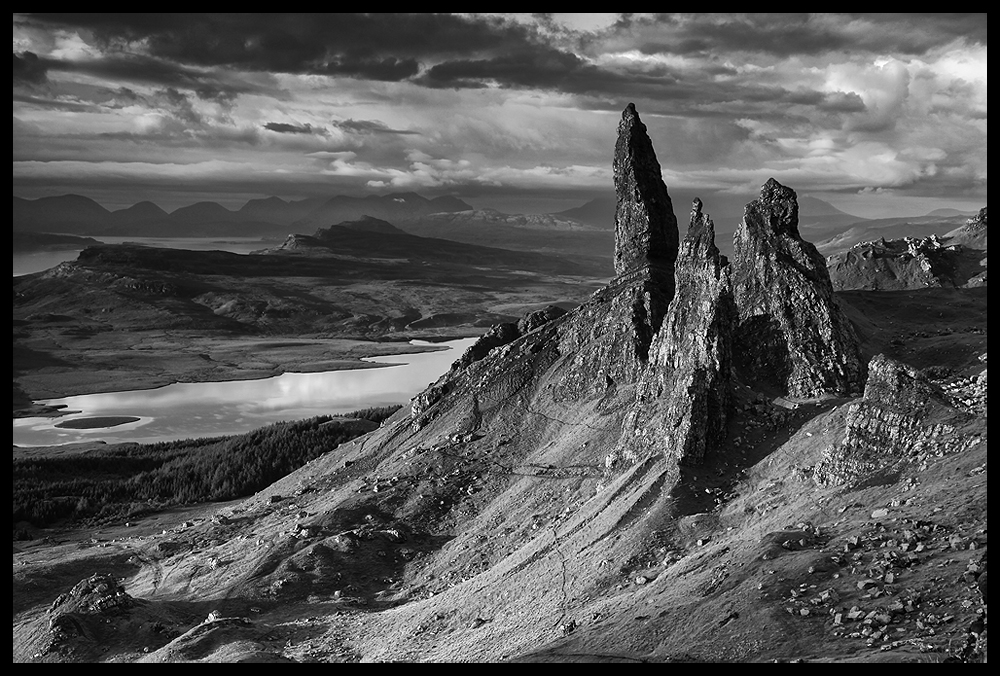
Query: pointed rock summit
{"x": 792, "y": 334}
{"x": 683, "y": 403}
{"x": 645, "y": 225}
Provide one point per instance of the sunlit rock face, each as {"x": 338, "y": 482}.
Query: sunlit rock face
{"x": 792, "y": 334}
{"x": 683, "y": 401}
{"x": 901, "y": 416}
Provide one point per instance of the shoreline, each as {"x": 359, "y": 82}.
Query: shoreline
{"x": 229, "y": 360}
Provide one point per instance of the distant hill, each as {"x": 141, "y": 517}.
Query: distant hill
{"x": 950, "y": 212}
{"x": 66, "y": 213}
{"x": 599, "y": 212}
{"x": 373, "y": 238}
{"x": 25, "y": 242}
{"x": 887, "y": 228}
{"x": 367, "y": 224}
{"x": 475, "y": 218}
{"x": 271, "y": 216}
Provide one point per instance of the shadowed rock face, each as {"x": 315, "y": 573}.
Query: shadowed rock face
{"x": 792, "y": 334}
{"x": 645, "y": 225}
{"x": 683, "y": 402}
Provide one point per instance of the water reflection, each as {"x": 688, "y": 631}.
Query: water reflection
{"x": 187, "y": 410}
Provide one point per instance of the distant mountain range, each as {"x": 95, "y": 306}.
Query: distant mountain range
{"x": 584, "y": 229}
{"x": 272, "y": 216}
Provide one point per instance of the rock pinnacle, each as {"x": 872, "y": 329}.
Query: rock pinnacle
{"x": 645, "y": 225}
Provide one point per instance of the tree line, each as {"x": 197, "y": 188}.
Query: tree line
{"x": 127, "y": 480}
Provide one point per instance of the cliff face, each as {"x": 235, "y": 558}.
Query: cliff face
{"x": 603, "y": 346}
{"x": 683, "y": 400}
{"x": 902, "y": 417}
{"x": 792, "y": 334}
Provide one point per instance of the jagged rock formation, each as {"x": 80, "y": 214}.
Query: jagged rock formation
{"x": 973, "y": 233}
{"x": 792, "y": 334}
{"x": 683, "y": 402}
{"x": 645, "y": 225}
{"x": 907, "y": 263}
{"x": 488, "y": 525}
{"x": 79, "y": 619}
{"x": 902, "y": 415}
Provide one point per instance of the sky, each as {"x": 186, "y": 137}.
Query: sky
{"x": 878, "y": 114}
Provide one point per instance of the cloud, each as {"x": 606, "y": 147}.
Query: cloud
{"x": 785, "y": 35}
{"x": 283, "y": 128}
{"x": 29, "y": 69}
{"x": 368, "y": 127}
{"x": 387, "y": 68}
{"x": 375, "y": 46}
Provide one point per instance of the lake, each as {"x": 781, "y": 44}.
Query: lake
{"x": 189, "y": 410}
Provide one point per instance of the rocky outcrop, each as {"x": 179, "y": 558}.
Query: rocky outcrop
{"x": 902, "y": 416}
{"x": 907, "y": 263}
{"x": 973, "y": 233}
{"x": 81, "y": 619}
{"x": 497, "y": 336}
{"x": 645, "y": 225}
{"x": 683, "y": 403}
{"x": 792, "y": 334}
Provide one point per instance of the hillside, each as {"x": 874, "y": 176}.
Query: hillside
{"x": 128, "y": 316}
{"x": 956, "y": 260}
{"x": 709, "y": 459}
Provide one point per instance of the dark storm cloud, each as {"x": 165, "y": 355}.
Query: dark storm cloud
{"x": 28, "y": 68}
{"x": 387, "y": 69}
{"x": 787, "y": 35}
{"x": 148, "y": 70}
{"x": 368, "y": 127}
{"x": 380, "y": 46}
{"x": 537, "y": 67}
{"x": 283, "y": 128}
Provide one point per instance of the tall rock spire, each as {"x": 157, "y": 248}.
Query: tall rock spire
{"x": 683, "y": 400}
{"x": 792, "y": 334}
{"x": 645, "y": 225}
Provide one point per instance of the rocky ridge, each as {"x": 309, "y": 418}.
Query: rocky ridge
{"x": 902, "y": 418}
{"x": 909, "y": 263}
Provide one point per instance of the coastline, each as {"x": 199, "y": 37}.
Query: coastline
{"x": 194, "y": 359}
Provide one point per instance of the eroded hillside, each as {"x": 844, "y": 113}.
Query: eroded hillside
{"x": 687, "y": 467}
